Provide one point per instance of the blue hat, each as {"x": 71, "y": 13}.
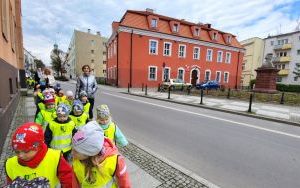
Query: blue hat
{"x": 63, "y": 109}
{"x": 77, "y": 106}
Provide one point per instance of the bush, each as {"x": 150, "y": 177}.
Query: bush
{"x": 288, "y": 88}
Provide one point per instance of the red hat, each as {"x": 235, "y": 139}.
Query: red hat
{"x": 28, "y": 136}
{"x": 49, "y": 99}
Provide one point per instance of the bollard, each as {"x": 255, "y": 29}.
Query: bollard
{"x": 201, "y": 96}
{"x": 146, "y": 90}
{"x": 250, "y": 103}
{"x": 169, "y": 92}
{"x": 142, "y": 86}
{"x": 188, "y": 90}
{"x": 158, "y": 88}
{"x": 282, "y": 98}
{"x": 228, "y": 94}
{"x": 128, "y": 87}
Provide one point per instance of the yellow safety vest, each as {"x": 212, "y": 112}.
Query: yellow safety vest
{"x": 110, "y": 132}
{"x": 86, "y": 107}
{"x": 41, "y": 106}
{"x": 40, "y": 95}
{"x": 79, "y": 120}
{"x": 47, "y": 168}
{"x": 48, "y": 116}
{"x": 104, "y": 174}
{"x": 60, "y": 99}
{"x": 61, "y": 135}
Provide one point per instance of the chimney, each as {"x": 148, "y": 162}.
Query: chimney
{"x": 207, "y": 25}
{"x": 89, "y": 30}
{"x": 98, "y": 33}
{"x": 149, "y": 10}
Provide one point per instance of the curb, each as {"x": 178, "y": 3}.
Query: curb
{"x": 221, "y": 110}
{"x": 176, "y": 166}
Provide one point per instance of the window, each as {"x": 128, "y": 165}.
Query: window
{"x": 92, "y": 61}
{"x": 218, "y": 76}
{"x": 243, "y": 66}
{"x": 209, "y": 55}
{"x": 282, "y": 66}
{"x": 298, "y": 52}
{"x": 229, "y": 39}
{"x": 175, "y": 28}
{"x": 180, "y": 74}
{"x": 220, "y": 57}
{"x": 207, "y": 75}
{"x": 228, "y": 57}
{"x": 92, "y": 42}
{"x": 166, "y": 74}
{"x": 153, "y": 44}
{"x": 295, "y": 78}
{"x": 197, "y": 32}
{"x": 115, "y": 46}
{"x": 279, "y": 79}
{"x": 154, "y": 23}
{"x": 92, "y": 51}
{"x": 152, "y": 73}
{"x": 282, "y": 41}
{"x": 182, "y": 50}
{"x": 4, "y": 19}
{"x": 196, "y": 53}
{"x": 167, "y": 48}
{"x": 272, "y": 43}
{"x": 104, "y": 71}
{"x": 215, "y": 36}
{"x": 104, "y": 62}
{"x": 226, "y": 77}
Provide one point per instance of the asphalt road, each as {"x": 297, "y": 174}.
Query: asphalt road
{"x": 228, "y": 150}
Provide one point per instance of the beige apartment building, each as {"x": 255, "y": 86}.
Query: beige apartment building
{"x": 11, "y": 62}
{"x": 253, "y": 59}
{"x": 87, "y": 48}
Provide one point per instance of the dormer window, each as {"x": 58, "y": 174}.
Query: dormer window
{"x": 176, "y": 28}
{"x": 197, "y": 32}
{"x": 215, "y": 36}
{"x": 153, "y": 23}
{"x": 228, "y": 39}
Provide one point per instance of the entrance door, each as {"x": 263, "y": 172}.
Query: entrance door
{"x": 194, "y": 77}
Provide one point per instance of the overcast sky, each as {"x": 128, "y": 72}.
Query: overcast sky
{"x": 48, "y": 21}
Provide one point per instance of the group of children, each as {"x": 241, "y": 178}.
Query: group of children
{"x": 66, "y": 147}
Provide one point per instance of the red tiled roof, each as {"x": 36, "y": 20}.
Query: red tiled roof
{"x": 138, "y": 19}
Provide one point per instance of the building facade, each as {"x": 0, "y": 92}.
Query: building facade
{"x": 29, "y": 63}
{"x": 253, "y": 59}
{"x": 87, "y": 48}
{"x": 11, "y": 62}
{"x": 147, "y": 48}
{"x": 286, "y": 52}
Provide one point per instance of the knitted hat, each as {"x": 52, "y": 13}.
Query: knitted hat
{"x": 103, "y": 111}
{"x": 28, "y": 136}
{"x": 49, "y": 99}
{"x": 77, "y": 106}
{"x": 69, "y": 94}
{"x": 62, "y": 109}
{"x": 83, "y": 94}
{"x": 89, "y": 139}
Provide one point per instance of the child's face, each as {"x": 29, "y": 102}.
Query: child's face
{"x": 77, "y": 155}
{"x": 26, "y": 155}
{"x": 70, "y": 98}
{"x": 60, "y": 93}
{"x": 77, "y": 113}
{"x": 103, "y": 121}
{"x": 62, "y": 118}
{"x": 84, "y": 99}
{"x": 50, "y": 105}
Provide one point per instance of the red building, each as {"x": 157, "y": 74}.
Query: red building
{"x": 146, "y": 48}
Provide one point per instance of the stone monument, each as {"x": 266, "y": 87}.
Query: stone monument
{"x": 266, "y": 77}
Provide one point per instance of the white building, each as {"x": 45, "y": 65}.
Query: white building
{"x": 29, "y": 64}
{"x": 286, "y": 52}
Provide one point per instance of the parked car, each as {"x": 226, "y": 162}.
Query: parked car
{"x": 211, "y": 84}
{"x": 175, "y": 84}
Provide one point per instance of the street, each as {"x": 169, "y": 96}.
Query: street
{"x": 228, "y": 150}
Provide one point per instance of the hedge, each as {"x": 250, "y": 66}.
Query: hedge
{"x": 288, "y": 88}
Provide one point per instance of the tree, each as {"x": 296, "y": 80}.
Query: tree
{"x": 58, "y": 60}
{"x": 297, "y": 71}
{"x": 39, "y": 63}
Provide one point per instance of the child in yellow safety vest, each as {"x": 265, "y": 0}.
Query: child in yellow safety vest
{"x": 69, "y": 99}
{"x": 96, "y": 161}
{"x": 84, "y": 99}
{"x": 48, "y": 114}
{"x": 111, "y": 130}
{"x": 59, "y": 132}
{"x": 77, "y": 115}
{"x": 60, "y": 96}
{"x": 34, "y": 159}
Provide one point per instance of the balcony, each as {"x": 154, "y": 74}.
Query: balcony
{"x": 283, "y": 59}
{"x": 283, "y": 72}
{"x": 283, "y": 47}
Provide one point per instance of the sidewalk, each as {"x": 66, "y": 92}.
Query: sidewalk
{"x": 146, "y": 169}
{"x": 273, "y": 112}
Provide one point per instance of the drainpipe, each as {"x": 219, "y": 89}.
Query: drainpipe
{"x": 117, "y": 80}
{"x": 130, "y": 68}
{"x": 237, "y": 70}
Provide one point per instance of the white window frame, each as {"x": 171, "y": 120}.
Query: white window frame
{"x": 224, "y": 80}
{"x": 183, "y": 72}
{"x": 229, "y": 39}
{"x": 150, "y": 79}
{"x": 207, "y": 70}
{"x": 228, "y": 60}
{"x": 175, "y": 27}
{"x": 153, "y": 24}
{"x": 197, "y": 32}
{"x": 156, "y": 47}
{"x": 184, "y": 51}
{"x": 170, "y": 49}
{"x": 163, "y": 73}
{"x": 218, "y": 57}
{"x": 196, "y": 55}
{"x": 220, "y": 76}
{"x": 215, "y": 36}
{"x": 211, "y": 55}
